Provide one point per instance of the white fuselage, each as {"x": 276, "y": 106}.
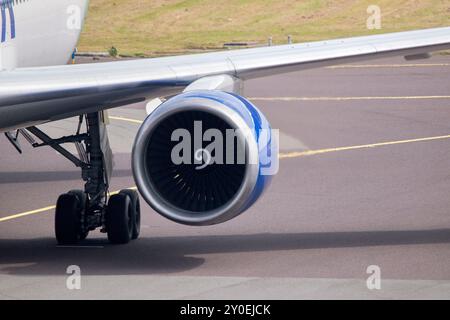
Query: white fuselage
{"x": 39, "y": 32}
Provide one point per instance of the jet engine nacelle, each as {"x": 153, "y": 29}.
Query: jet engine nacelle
{"x": 204, "y": 157}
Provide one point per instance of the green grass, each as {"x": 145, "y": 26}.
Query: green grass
{"x": 154, "y": 27}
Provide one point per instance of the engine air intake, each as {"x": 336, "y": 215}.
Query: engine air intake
{"x": 197, "y": 157}
{"x": 193, "y": 185}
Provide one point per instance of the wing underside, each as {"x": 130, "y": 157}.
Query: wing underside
{"x": 37, "y": 95}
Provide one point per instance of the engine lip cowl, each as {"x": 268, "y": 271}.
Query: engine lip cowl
{"x": 195, "y": 102}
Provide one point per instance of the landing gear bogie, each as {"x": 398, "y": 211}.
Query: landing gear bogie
{"x": 78, "y": 212}
{"x": 121, "y": 217}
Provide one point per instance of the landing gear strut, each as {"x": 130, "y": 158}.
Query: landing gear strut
{"x": 80, "y": 211}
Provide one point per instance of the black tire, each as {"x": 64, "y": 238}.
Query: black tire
{"x": 119, "y": 222}
{"x": 82, "y": 198}
{"x": 136, "y": 212}
{"x": 67, "y": 219}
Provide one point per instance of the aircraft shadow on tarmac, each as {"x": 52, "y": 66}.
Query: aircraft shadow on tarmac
{"x": 165, "y": 255}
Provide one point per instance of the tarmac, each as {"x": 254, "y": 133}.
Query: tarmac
{"x": 364, "y": 181}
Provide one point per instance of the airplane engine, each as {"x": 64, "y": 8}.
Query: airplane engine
{"x": 204, "y": 157}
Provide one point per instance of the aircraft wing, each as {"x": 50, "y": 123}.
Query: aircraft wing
{"x": 36, "y": 95}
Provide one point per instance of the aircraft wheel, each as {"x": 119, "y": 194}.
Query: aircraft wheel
{"x": 119, "y": 220}
{"x": 136, "y": 211}
{"x": 69, "y": 208}
{"x": 82, "y": 198}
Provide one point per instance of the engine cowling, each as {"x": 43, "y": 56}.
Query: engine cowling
{"x": 203, "y": 181}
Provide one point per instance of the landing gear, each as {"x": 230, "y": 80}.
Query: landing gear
{"x": 135, "y": 212}
{"x": 69, "y": 211}
{"x": 123, "y": 217}
{"x": 119, "y": 219}
{"x": 80, "y": 211}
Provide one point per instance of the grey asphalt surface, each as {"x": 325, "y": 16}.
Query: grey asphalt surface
{"x": 325, "y": 219}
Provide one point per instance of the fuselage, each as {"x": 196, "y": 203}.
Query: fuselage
{"x": 39, "y": 32}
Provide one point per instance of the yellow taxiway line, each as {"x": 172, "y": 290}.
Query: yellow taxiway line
{"x": 31, "y": 212}
{"x": 27, "y": 213}
{"x": 405, "y": 65}
{"x": 363, "y": 146}
{"x": 281, "y": 156}
{"x": 347, "y": 98}
{"x": 125, "y": 119}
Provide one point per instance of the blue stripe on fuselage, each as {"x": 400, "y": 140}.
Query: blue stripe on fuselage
{"x": 13, "y": 21}
{"x": 7, "y": 5}
{"x": 3, "y": 24}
